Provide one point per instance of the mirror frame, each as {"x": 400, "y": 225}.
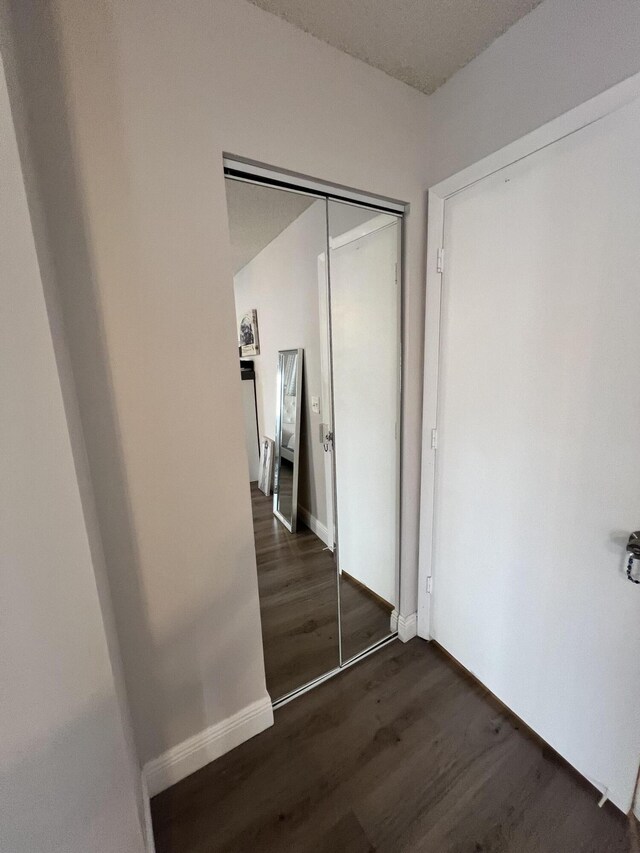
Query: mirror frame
{"x": 290, "y": 524}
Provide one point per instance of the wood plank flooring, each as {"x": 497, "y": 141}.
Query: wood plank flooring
{"x": 299, "y": 604}
{"x": 402, "y": 752}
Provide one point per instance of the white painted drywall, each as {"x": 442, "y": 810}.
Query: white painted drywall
{"x": 65, "y": 778}
{"x": 146, "y": 99}
{"x": 364, "y": 336}
{"x": 538, "y": 459}
{"x": 556, "y": 57}
{"x": 281, "y": 282}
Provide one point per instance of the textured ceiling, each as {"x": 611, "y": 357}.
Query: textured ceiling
{"x": 257, "y": 215}
{"x": 421, "y": 42}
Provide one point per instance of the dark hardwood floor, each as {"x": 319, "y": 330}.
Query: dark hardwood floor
{"x": 299, "y": 604}
{"x": 402, "y": 752}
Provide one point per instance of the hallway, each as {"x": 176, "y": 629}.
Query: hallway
{"x": 404, "y": 752}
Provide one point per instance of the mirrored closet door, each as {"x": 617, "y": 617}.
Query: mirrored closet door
{"x": 317, "y": 295}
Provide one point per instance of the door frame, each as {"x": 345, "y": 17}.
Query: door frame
{"x": 570, "y": 122}
{"x": 246, "y": 170}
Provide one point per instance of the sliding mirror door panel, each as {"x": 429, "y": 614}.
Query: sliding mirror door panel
{"x": 365, "y": 343}
{"x": 277, "y": 238}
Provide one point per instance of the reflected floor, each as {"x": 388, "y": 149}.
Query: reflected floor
{"x": 285, "y": 484}
{"x": 298, "y": 604}
{"x": 365, "y": 619}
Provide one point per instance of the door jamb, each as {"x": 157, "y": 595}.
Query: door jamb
{"x": 570, "y": 122}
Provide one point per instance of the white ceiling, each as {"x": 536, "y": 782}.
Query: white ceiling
{"x": 257, "y": 215}
{"x": 421, "y": 42}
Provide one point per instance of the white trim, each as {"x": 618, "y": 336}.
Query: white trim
{"x": 150, "y": 843}
{"x": 250, "y": 168}
{"x": 429, "y": 410}
{"x": 407, "y": 627}
{"x": 393, "y": 621}
{"x": 197, "y": 751}
{"x": 587, "y": 113}
{"x": 315, "y": 526}
{"x": 368, "y": 227}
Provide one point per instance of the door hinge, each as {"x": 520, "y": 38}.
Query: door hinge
{"x": 429, "y": 585}
{"x": 434, "y": 439}
{"x": 440, "y": 260}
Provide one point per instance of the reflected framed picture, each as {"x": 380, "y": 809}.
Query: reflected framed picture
{"x": 248, "y": 334}
{"x": 265, "y": 474}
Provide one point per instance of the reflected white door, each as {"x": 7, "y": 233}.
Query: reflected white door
{"x": 538, "y": 460}
{"x": 364, "y": 336}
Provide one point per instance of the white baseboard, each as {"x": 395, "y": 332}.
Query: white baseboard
{"x": 192, "y": 754}
{"x": 407, "y": 627}
{"x": 393, "y": 624}
{"x": 315, "y": 526}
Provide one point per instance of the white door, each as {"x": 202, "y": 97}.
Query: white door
{"x": 538, "y": 459}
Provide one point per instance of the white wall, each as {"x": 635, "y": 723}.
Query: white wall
{"x": 65, "y": 778}
{"x": 558, "y": 56}
{"x": 281, "y": 282}
{"x": 131, "y": 107}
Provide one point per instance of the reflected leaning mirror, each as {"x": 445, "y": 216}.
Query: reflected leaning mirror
{"x": 288, "y": 424}
{"x": 365, "y": 336}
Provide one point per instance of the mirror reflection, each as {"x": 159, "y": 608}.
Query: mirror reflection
{"x": 285, "y": 490}
{"x": 365, "y": 336}
{"x": 317, "y": 312}
{"x": 277, "y": 237}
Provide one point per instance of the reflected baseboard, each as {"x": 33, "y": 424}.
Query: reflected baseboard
{"x": 406, "y": 626}
{"x": 315, "y": 526}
